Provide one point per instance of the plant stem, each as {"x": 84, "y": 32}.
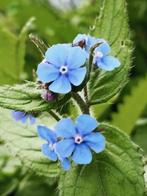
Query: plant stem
{"x": 54, "y": 115}
{"x": 42, "y": 47}
{"x": 86, "y": 94}
{"x": 83, "y": 106}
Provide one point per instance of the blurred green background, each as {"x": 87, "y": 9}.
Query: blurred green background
{"x": 59, "y": 23}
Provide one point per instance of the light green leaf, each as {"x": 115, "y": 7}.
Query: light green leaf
{"x": 27, "y": 97}
{"x": 117, "y": 171}
{"x": 21, "y": 45}
{"x": 112, "y": 25}
{"x": 35, "y": 185}
{"x": 12, "y": 53}
{"x": 22, "y": 141}
{"x": 131, "y": 108}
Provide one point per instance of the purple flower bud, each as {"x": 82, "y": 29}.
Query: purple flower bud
{"x": 48, "y": 96}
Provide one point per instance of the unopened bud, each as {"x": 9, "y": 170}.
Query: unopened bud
{"x": 48, "y": 96}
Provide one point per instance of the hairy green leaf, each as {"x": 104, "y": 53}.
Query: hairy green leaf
{"x": 131, "y": 108}
{"x": 22, "y": 141}
{"x": 112, "y": 25}
{"x": 117, "y": 171}
{"x": 27, "y": 97}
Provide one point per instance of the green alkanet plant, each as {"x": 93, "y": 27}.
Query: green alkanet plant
{"x": 60, "y": 70}
{"x": 71, "y": 80}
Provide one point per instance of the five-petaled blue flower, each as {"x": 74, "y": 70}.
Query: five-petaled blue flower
{"x": 49, "y": 149}
{"x": 78, "y": 139}
{"x": 102, "y": 58}
{"x": 23, "y": 117}
{"x": 62, "y": 68}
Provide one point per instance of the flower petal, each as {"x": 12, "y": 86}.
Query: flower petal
{"x": 76, "y": 76}
{"x": 109, "y": 63}
{"x": 57, "y": 54}
{"x": 47, "y": 72}
{"x": 65, "y": 128}
{"x": 46, "y": 134}
{"x": 61, "y": 85}
{"x": 79, "y": 38}
{"x": 65, "y": 147}
{"x": 32, "y": 119}
{"x": 65, "y": 163}
{"x": 104, "y": 48}
{"x": 82, "y": 154}
{"x": 86, "y": 124}
{"x": 17, "y": 115}
{"x": 49, "y": 153}
{"x": 95, "y": 141}
{"x": 76, "y": 57}
{"x": 24, "y": 119}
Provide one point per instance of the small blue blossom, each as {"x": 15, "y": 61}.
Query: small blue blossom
{"x": 102, "y": 58}
{"x": 23, "y": 117}
{"x": 79, "y": 139}
{"x": 86, "y": 41}
{"x": 62, "y": 68}
{"x": 49, "y": 149}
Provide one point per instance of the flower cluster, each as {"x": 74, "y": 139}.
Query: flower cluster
{"x": 64, "y": 68}
{"x": 68, "y": 141}
{"x": 64, "y": 65}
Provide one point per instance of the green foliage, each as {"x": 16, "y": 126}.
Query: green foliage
{"x": 139, "y": 134}
{"x": 17, "y": 180}
{"x": 23, "y": 143}
{"x": 12, "y": 53}
{"x": 116, "y": 171}
{"x": 131, "y": 108}
{"x": 112, "y": 25}
{"x": 10, "y": 172}
{"x": 33, "y": 185}
{"x": 27, "y": 97}
{"x": 49, "y": 21}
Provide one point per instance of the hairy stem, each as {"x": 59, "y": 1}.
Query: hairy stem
{"x": 83, "y": 106}
{"x": 42, "y": 47}
{"x": 86, "y": 95}
{"x": 54, "y": 115}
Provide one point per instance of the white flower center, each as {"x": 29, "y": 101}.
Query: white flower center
{"x": 78, "y": 139}
{"x": 63, "y": 69}
{"x": 52, "y": 146}
{"x": 99, "y": 54}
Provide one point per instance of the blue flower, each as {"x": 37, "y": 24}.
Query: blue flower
{"x": 23, "y": 117}
{"x": 85, "y": 41}
{"x": 49, "y": 149}
{"x": 102, "y": 58}
{"x": 79, "y": 139}
{"x": 62, "y": 68}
